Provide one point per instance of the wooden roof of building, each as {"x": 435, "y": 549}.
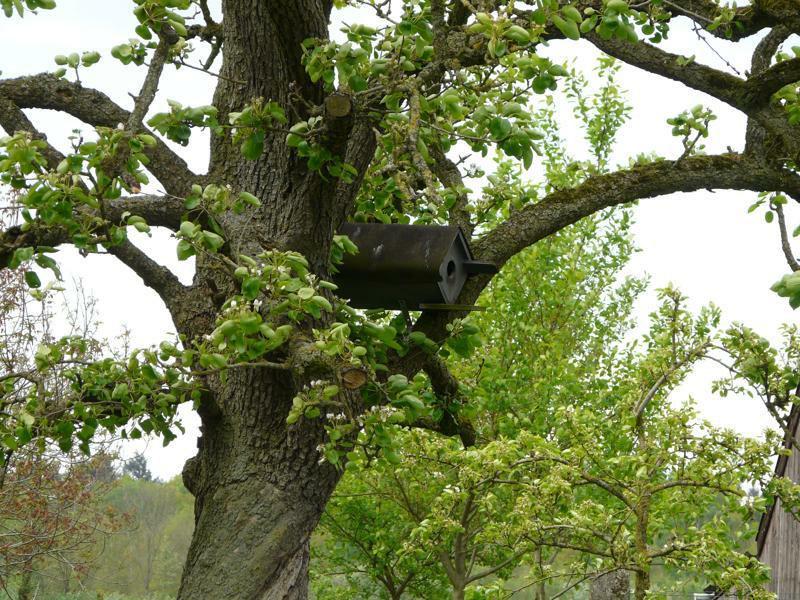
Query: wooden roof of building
{"x": 780, "y": 471}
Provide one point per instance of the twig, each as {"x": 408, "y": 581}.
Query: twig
{"x": 149, "y": 87}
{"x": 642, "y": 404}
{"x": 785, "y": 244}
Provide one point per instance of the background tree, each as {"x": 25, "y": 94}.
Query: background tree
{"x": 554, "y": 316}
{"x": 54, "y": 517}
{"x": 147, "y": 559}
{"x": 359, "y": 552}
{"x": 617, "y": 479}
{"x": 309, "y": 132}
{"x": 50, "y": 501}
{"x": 136, "y": 468}
{"x": 661, "y": 482}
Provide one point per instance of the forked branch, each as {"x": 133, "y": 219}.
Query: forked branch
{"x": 94, "y": 108}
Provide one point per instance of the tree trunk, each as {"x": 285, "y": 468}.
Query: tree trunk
{"x": 541, "y": 588}
{"x": 611, "y": 586}
{"x": 260, "y": 489}
{"x": 25, "y": 590}
{"x": 642, "y": 584}
{"x": 148, "y": 567}
{"x": 259, "y": 484}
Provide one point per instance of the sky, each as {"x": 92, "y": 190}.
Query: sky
{"x": 704, "y": 243}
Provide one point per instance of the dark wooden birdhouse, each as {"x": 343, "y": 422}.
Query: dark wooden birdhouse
{"x": 413, "y": 267}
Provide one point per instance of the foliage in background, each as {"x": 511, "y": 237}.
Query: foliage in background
{"x": 583, "y": 465}
{"x": 141, "y": 559}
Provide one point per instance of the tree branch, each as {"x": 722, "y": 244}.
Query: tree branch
{"x": 723, "y": 86}
{"x": 448, "y": 173}
{"x": 492, "y": 570}
{"x": 785, "y": 244}
{"x": 564, "y": 207}
{"x": 748, "y": 20}
{"x": 158, "y": 211}
{"x": 763, "y": 85}
{"x": 645, "y": 400}
{"x": 446, "y": 387}
{"x": 13, "y": 119}
{"x": 149, "y": 87}
{"x": 766, "y": 49}
{"x": 756, "y": 137}
{"x": 95, "y": 108}
{"x": 155, "y": 276}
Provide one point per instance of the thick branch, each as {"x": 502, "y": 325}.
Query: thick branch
{"x": 748, "y": 20}
{"x": 762, "y": 86}
{"x": 155, "y": 276}
{"x": 459, "y": 14}
{"x": 448, "y": 173}
{"x": 758, "y": 142}
{"x": 12, "y": 120}
{"x": 766, "y": 49}
{"x": 564, "y": 207}
{"x": 158, "y": 211}
{"x": 723, "y": 86}
{"x": 447, "y": 388}
{"x": 95, "y": 108}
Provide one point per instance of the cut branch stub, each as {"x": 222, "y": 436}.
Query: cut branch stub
{"x": 339, "y": 121}
{"x": 338, "y": 105}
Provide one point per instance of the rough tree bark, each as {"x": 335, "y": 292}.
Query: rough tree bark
{"x": 259, "y": 485}
{"x": 611, "y": 586}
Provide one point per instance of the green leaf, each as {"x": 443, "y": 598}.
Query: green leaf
{"x": 251, "y": 287}
{"x": 32, "y": 279}
{"x": 27, "y": 419}
{"x": 213, "y": 241}
{"x": 571, "y": 13}
{"x": 305, "y": 293}
{"x": 357, "y": 83}
{"x": 249, "y": 198}
{"x": 568, "y": 27}
{"x": 185, "y": 250}
{"x": 323, "y": 303}
{"x": 517, "y": 34}
{"x": 253, "y": 146}
{"x": 500, "y": 128}
{"x": 120, "y": 392}
{"x": 90, "y": 58}
{"x": 20, "y": 256}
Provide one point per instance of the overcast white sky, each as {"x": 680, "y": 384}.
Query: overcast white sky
{"x": 705, "y": 243}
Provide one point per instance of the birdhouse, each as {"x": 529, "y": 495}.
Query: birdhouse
{"x": 413, "y": 267}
